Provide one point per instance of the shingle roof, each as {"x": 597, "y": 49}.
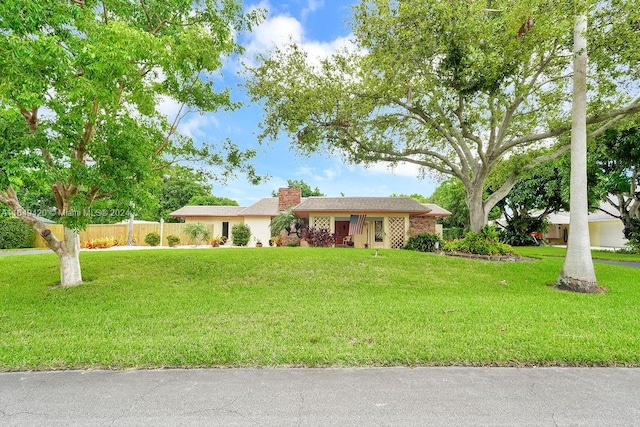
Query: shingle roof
{"x": 437, "y": 210}
{"x": 263, "y": 207}
{"x": 268, "y": 206}
{"x": 361, "y": 204}
{"x": 208, "y": 211}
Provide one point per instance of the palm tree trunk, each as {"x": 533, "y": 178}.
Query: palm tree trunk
{"x": 578, "y": 274}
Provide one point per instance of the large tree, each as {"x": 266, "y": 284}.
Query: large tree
{"x": 81, "y": 82}
{"x": 454, "y": 87}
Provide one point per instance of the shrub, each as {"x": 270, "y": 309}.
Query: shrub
{"x": 425, "y": 242}
{"x": 197, "y": 232}
{"x": 453, "y": 233}
{"x": 517, "y": 238}
{"x": 275, "y": 241}
{"x": 218, "y": 240}
{"x": 319, "y": 237}
{"x": 240, "y": 234}
{"x": 16, "y": 234}
{"x": 103, "y": 243}
{"x": 484, "y": 242}
{"x": 173, "y": 240}
{"x": 152, "y": 239}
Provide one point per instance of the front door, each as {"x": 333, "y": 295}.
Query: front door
{"x": 342, "y": 230}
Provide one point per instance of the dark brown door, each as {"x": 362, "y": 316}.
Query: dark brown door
{"x": 342, "y": 229}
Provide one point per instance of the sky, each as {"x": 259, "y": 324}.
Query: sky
{"x": 320, "y": 26}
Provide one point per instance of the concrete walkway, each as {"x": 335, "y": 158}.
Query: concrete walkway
{"x": 284, "y": 397}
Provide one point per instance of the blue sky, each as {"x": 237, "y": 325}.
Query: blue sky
{"x": 320, "y": 26}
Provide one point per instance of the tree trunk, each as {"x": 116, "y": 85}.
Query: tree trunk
{"x": 478, "y": 216}
{"x": 69, "y": 255}
{"x": 578, "y": 274}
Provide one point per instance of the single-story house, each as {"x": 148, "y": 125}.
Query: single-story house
{"x": 377, "y": 222}
{"x": 605, "y": 229}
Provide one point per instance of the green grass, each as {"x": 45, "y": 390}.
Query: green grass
{"x": 309, "y": 307}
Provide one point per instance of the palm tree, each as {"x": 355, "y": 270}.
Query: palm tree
{"x": 287, "y": 221}
{"x": 577, "y": 273}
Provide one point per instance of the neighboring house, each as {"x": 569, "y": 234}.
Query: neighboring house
{"x": 378, "y": 222}
{"x": 605, "y": 230}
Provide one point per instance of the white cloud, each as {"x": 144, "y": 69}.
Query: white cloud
{"x": 192, "y": 124}
{"x": 312, "y": 6}
{"x": 400, "y": 169}
{"x": 279, "y": 30}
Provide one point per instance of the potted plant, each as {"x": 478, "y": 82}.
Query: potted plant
{"x": 173, "y": 240}
{"x": 258, "y": 243}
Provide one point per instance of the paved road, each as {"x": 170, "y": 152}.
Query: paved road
{"x": 623, "y": 263}
{"x": 283, "y": 397}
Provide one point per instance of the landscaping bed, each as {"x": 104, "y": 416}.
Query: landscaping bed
{"x": 497, "y": 257}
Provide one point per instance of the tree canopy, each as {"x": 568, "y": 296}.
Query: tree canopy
{"x": 81, "y": 84}
{"x": 455, "y": 89}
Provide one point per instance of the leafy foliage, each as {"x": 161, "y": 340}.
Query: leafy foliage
{"x": 450, "y": 195}
{"x": 240, "y": 234}
{"x": 210, "y": 200}
{"x": 152, "y": 239}
{"x": 452, "y": 233}
{"x": 425, "y": 242}
{"x": 319, "y": 237}
{"x": 15, "y": 234}
{"x": 197, "y": 232}
{"x": 485, "y": 242}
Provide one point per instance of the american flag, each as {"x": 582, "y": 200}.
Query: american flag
{"x": 356, "y": 224}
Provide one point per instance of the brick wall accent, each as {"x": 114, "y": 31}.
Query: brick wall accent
{"x": 421, "y": 224}
{"x": 288, "y": 197}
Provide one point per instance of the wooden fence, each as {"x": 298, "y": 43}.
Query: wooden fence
{"x": 120, "y": 231}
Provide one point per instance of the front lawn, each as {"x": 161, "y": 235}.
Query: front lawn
{"x": 309, "y": 307}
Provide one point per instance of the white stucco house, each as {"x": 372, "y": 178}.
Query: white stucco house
{"x": 605, "y": 229}
{"x": 377, "y": 222}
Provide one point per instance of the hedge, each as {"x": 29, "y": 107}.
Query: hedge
{"x": 16, "y": 234}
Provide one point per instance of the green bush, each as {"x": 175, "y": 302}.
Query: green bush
{"x": 453, "y": 233}
{"x": 485, "y": 242}
{"x": 173, "y": 240}
{"x": 240, "y": 234}
{"x": 152, "y": 239}
{"x": 425, "y": 242}
{"x": 16, "y": 234}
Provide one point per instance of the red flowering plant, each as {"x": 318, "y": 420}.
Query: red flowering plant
{"x": 319, "y": 237}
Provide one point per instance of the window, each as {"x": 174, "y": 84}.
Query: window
{"x": 379, "y": 231}
{"x": 225, "y": 228}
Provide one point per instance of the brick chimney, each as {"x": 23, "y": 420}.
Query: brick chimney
{"x": 288, "y": 198}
